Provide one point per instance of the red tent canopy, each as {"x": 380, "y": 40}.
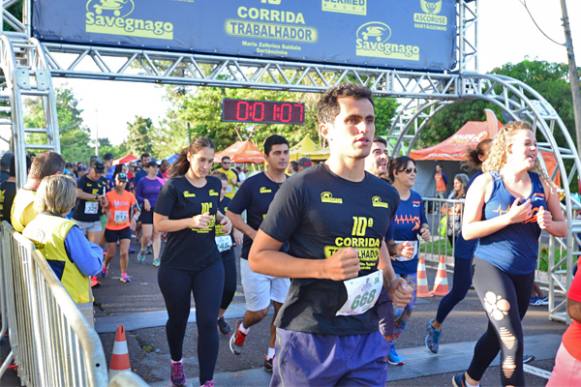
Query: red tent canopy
{"x": 241, "y": 152}
{"x": 454, "y": 147}
{"x": 125, "y": 159}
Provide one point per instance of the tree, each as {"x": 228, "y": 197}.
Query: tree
{"x": 140, "y": 135}
{"x": 74, "y": 135}
{"x": 201, "y": 108}
{"x": 452, "y": 117}
{"x": 550, "y": 80}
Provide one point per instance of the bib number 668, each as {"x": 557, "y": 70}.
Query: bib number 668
{"x": 364, "y": 299}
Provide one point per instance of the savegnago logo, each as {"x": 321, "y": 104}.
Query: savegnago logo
{"x": 372, "y": 40}
{"x": 112, "y": 17}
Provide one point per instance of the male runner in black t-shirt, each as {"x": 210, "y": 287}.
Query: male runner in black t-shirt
{"x": 91, "y": 190}
{"x": 335, "y": 218}
{"x": 254, "y": 197}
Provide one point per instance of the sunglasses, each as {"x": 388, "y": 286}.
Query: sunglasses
{"x": 410, "y": 170}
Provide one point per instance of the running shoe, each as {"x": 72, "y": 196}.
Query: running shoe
{"x": 268, "y": 364}
{"x": 209, "y": 383}
{"x": 125, "y": 278}
{"x": 103, "y": 272}
{"x": 393, "y": 358}
{"x": 533, "y": 300}
{"x": 141, "y": 256}
{"x": 526, "y": 359}
{"x": 224, "y": 327}
{"x": 459, "y": 380}
{"x": 95, "y": 283}
{"x": 156, "y": 262}
{"x": 236, "y": 342}
{"x": 542, "y": 301}
{"x": 432, "y": 339}
{"x": 178, "y": 377}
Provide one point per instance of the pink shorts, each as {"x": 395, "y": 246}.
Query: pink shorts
{"x": 567, "y": 371}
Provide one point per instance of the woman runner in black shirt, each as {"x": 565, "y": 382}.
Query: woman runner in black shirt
{"x": 187, "y": 209}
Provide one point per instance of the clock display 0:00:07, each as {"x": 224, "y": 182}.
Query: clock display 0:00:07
{"x": 267, "y": 112}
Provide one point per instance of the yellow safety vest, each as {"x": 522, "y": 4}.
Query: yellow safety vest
{"x": 48, "y": 234}
{"x": 22, "y": 211}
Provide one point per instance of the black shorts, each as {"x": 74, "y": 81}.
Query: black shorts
{"x": 112, "y": 236}
{"x": 146, "y": 217}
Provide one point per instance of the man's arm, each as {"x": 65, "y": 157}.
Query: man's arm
{"x": 239, "y": 224}
{"x": 265, "y": 258}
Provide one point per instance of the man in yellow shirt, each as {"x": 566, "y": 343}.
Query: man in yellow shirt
{"x": 45, "y": 164}
{"x": 225, "y": 164}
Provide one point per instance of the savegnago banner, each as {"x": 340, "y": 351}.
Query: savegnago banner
{"x": 410, "y": 34}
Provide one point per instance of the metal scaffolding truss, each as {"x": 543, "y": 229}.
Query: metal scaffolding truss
{"x": 521, "y": 102}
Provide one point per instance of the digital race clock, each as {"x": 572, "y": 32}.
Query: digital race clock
{"x": 263, "y": 112}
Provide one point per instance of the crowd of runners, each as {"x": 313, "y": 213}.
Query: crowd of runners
{"x": 334, "y": 248}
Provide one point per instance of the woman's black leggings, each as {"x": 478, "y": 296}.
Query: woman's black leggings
{"x": 460, "y": 285}
{"x": 505, "y": 298}
{"x": 229, "y": 261}
{"x": 206, "y": 286}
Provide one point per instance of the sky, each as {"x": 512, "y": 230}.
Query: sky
{"x": 506, "y": 34}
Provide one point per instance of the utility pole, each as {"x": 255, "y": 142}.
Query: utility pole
{"x": 573, "y": 75}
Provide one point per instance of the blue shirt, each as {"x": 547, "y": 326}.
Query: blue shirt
{"x": 405, "y": 226}
{"x": 514, "y": 248}
{"x": 87, "y": 256}
{"x": 464, "y": 249}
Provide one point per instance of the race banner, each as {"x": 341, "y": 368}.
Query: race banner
{"x": 410, "y": 34}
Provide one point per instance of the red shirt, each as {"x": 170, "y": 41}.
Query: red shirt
{"x": 572, "y": 336}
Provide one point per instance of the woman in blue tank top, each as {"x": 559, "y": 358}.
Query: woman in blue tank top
{"x": 463, "y": 257}
{"x": 507, "y": 207}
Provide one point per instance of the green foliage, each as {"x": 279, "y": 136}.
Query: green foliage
{"x": 202, "y": 109}
{"x": 74, "y": 135}
{"x": 548, "y": 79}
{"x": 140, "y": 136}
{"x": 551, "y": 81}
{"x": 449, "y": 119}
{"x": 385, "y": 108}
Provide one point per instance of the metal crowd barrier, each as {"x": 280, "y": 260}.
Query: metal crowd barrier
{"x": 51, "y": 342}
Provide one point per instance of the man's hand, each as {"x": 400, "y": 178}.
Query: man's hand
{"x": 400, "y": 292}
{"x": 342, "y": 265}
{"x": 226, "y": 225}
{"x": 238, "y": 237}
{"x": 405, "y": 249}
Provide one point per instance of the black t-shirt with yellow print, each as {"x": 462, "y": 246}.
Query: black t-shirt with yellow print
{"x": 254, "y": 197}
{"x": 189, "y": 249}
{"x": 318, "y": 212}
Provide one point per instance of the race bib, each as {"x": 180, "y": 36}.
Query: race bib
{"x": 362, "y": 294}
{"x": 403, "y": 259}
{"x": 120, "y": 217}
{"x": 91, "y": 208}
{"x": 224, "y": 243}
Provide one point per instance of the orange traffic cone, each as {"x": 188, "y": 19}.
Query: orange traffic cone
{"x": 422, "y": 290}
{"x": 441, "y": 281}
{"x": 120, "y": 356}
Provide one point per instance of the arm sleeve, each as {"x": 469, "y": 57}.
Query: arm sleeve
{"x": 285, "y": 212}
{"x": 87, "y": 256}
{"x": 575, "y": 289}
{"x": 241, "y": 200}
{"x": 139, "y": 191}
{"x": 166, "y": 200}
